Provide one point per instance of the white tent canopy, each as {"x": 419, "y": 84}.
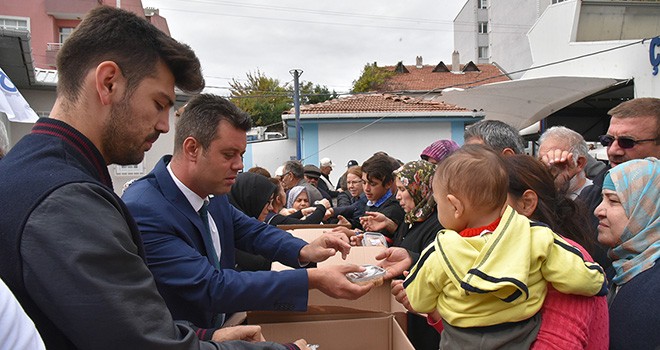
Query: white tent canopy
{"x": 521, "y": 103}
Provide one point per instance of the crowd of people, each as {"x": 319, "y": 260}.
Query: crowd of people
{"x": 487, "y": 247}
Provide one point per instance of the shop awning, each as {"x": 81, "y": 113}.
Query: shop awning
{"x": 522, "y": 103}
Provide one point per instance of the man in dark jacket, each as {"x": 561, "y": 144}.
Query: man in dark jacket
{"x": 70, "y": 250}
{"x": 192, "y": 254}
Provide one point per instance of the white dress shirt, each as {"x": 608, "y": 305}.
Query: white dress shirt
{"x": 196, "y": 202}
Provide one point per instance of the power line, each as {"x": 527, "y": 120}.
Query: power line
{"x": 269, "y": 94}
{"x": 345, "y": 137}
{"x": 322, "y": 12}
{"x": 481, "y": 80}
{"x": 540, "y": 66}
{"x": 304, "y": 21}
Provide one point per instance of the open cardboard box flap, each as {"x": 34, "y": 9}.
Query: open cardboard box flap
{"x": 333, "y": 327}
{"x": 313, "y": 313}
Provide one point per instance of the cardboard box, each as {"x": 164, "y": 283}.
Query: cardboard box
{"x": 313, "y": 226}
{"x": 308, "y": 234}
{"x": 378, "y": 299}
{"x": 333, "y": 328}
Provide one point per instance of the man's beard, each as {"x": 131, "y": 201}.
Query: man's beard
{"x": 119, "y": 140}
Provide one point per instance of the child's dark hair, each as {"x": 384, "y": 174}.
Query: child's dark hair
{"x": 476, "y": 174}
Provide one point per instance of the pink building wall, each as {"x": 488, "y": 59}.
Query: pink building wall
{"x": 47, "y": 16}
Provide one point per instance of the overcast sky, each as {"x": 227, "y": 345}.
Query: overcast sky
{"x": 330, "y": 41}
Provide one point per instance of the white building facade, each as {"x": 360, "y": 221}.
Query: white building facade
{"x": 599, "y": 39}
{"x": 491, "y": 31}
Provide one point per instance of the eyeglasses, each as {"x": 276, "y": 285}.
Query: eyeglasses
{"x": 623, "y": 141}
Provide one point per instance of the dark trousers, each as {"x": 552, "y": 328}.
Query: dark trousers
{"x": 421, "y": 335}
{"x": 513, "y": 335}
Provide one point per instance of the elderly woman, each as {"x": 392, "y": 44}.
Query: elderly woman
{"x": 297, "y": 198}
{"x": 629, "y": 223}
{"x": 299, "y": 211}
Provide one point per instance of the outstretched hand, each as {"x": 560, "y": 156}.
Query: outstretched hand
{"x": 332, "y": 281}
{"x": 347, "y": 232}
{"x": 343, "y": 221}
{"x": 327, "y": 245}
{"x": 377, "y": 222}
{"x": 395, "y": 260}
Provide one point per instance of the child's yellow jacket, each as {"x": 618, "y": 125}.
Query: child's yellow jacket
{"x": 498, "y": 277}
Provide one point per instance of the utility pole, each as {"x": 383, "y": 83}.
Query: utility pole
{"x": 296, "y": 106}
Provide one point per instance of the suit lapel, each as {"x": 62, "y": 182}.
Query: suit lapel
{"x": 172, "y": 193}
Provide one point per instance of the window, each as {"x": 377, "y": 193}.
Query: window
{"x": 16, "y": 23}
{"x": 483, "y": 4}
{"x": 133, "y": 169}
{"x": 483, "y": 52}
{"x": 64, "y": 34}
{"x": 482, "y": 27}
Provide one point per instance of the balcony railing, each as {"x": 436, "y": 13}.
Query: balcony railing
{"x": 51, "y": 53}
{"x": 53, "y": 46}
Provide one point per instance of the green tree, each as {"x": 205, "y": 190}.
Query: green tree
{"x": 310, "y": 93}
{"x": 371, "y": 79}
{"x": 262, "y": 97}
{"x": 265, "y": 98}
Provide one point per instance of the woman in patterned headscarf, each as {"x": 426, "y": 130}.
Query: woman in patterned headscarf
{"x": 420, "y": 226}
{"x": 629, "y": 223}
{"x": 413, "y": 182}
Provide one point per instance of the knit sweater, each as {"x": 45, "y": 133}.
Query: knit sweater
{"x": 635, "y": 312}
{"x": 572, "y": 321}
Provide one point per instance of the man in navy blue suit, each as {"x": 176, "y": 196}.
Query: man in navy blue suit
{"x": 192, "y": 259}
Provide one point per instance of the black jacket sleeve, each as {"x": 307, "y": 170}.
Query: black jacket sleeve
{"x": 83, "y": 270}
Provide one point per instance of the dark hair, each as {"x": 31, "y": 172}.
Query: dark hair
{"x": 562, "y": 214}
{"x": 496, "y": 134}
{"x": 295, "y": 167}
{"x": 134, "y": 44}
{"x": 380, "y": 167}
{"x": 280, "y": 201}
{"x": 202, "y": 116}
{"x": 259, "y": 170}
{"x": 476, "y": 174}
{"x": 639, "y": 107}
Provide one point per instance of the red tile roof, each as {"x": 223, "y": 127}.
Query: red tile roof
{"x": 374, "y": 103}
{"x": 424, "y": 79}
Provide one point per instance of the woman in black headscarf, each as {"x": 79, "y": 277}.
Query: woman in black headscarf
{"x": 252, "y": 194}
